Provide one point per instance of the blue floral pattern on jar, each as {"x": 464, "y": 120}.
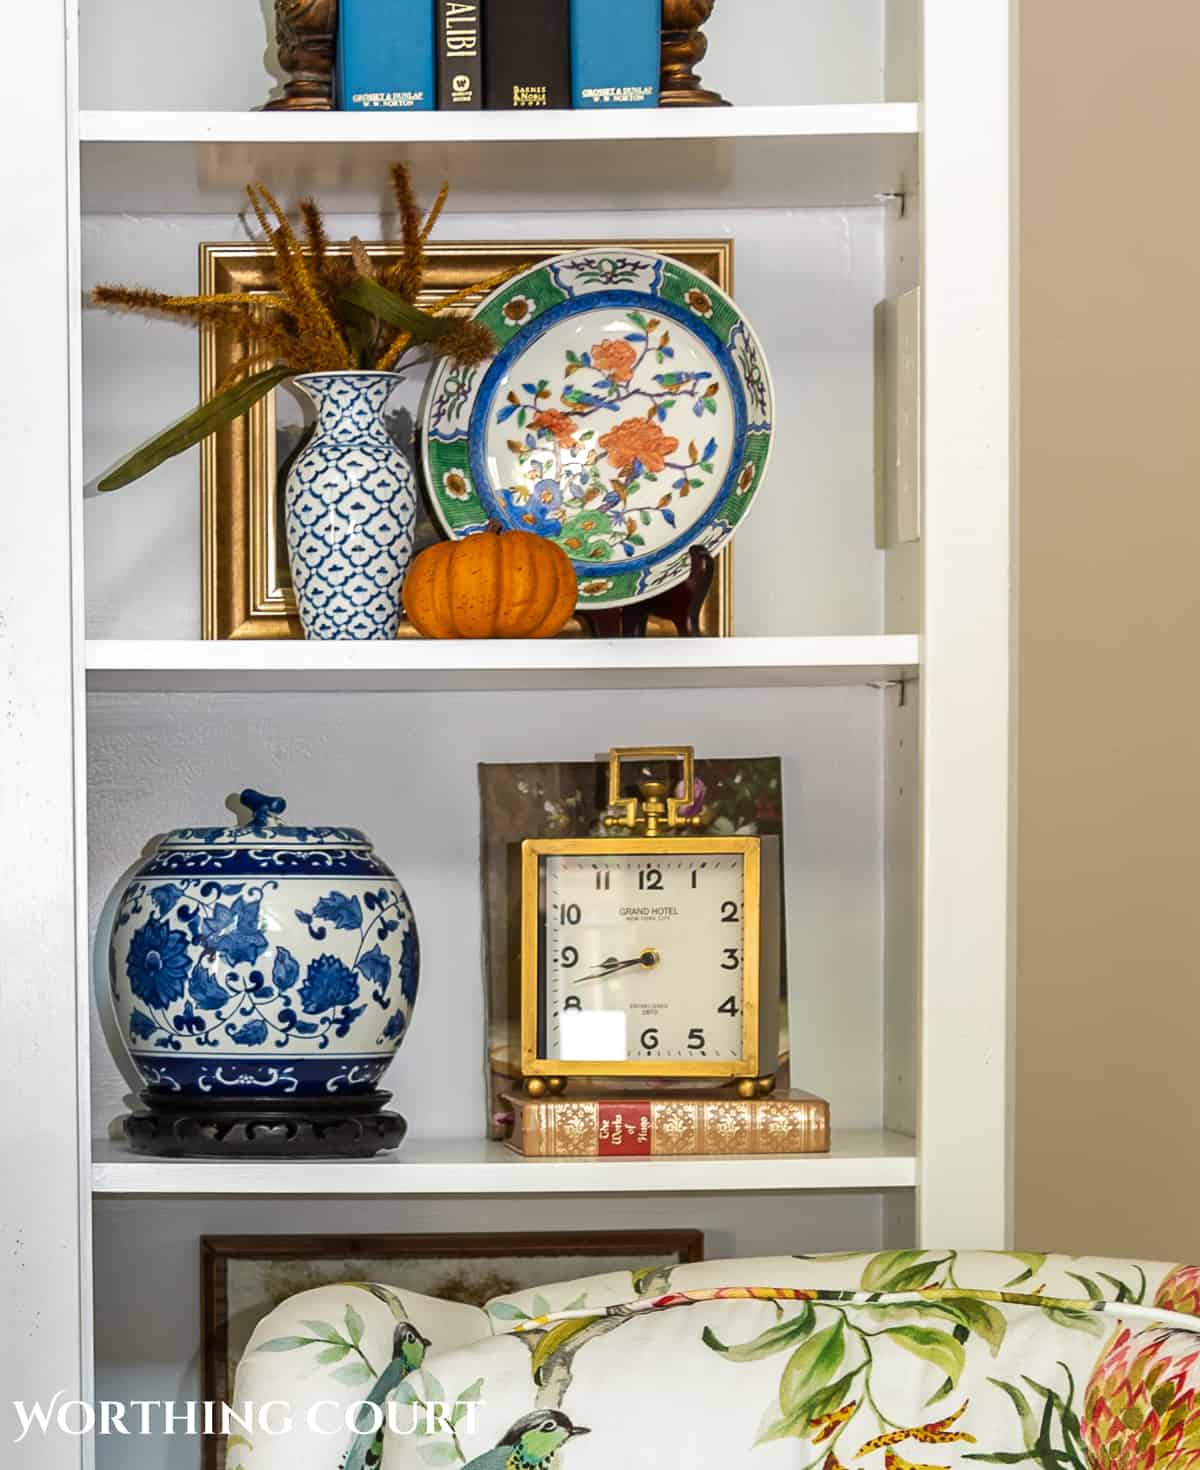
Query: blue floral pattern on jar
{"x": 289, "y": 985}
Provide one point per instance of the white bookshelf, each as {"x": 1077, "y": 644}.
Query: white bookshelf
{"x": 881, "y": 676}
{"x": 413, "y": 664}
{"x": 837, "y": 154}
{"x": 872, "y": 1161}
{"x": 351, "y": 129}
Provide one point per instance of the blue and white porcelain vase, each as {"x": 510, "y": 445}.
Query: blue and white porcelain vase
{"x": 351, "y": 510}
{"x": 263, "y": 960}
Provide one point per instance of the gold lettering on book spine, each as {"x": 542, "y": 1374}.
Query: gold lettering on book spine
{"x": 557, "y": 1127}
{"x": 576, "y": 1128}
{"x": 676, "y": 1128}
{"x": 728, "y": 1128}
{"x": 798, "y": 1130}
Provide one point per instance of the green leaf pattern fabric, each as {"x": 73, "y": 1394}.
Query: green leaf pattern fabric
{"x": 893, "y": 1360}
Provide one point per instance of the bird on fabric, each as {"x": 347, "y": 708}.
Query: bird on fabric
{"x": 532, "y": 1443}
{"x": 408, "y": 1353}
{"x": 652, "y": 1281}
{"x": 408, "y": 1346}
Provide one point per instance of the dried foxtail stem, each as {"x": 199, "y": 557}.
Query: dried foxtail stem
{"x": 314, "y": 230}
{"x": 329, "y": 313}
{"x": 479, "y": 288}
{"x": 410, "y": 272}
{"x": 435, "y": 213}
{"x": 400, "y": 345}
{"x": 362, "y": 261}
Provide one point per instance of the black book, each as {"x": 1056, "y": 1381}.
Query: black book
{"x": 460, "y": 55}
{"x": 527, "y": 54}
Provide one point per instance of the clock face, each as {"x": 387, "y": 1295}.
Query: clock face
{"x": 642, "y": 957}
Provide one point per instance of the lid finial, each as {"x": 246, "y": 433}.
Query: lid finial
{"x": 264, "y": 810}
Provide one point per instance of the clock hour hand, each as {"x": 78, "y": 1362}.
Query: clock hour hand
{"x": 647, "y": 959}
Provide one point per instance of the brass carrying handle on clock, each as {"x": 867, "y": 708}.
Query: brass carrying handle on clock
{"x": 654, "y": 810}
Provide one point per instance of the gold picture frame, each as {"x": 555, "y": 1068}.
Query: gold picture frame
{"x": 244, "y": 579}
{"x": 247, "y": 1276}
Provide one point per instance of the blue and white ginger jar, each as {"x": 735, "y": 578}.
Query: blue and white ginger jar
{"x": 263, "y": 960}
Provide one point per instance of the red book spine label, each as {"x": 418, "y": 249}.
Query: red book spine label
{"x": 623, "y": 1129}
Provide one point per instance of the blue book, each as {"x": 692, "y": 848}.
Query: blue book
{"x": 615, "y": 52}
{"x": 386, "y": 56}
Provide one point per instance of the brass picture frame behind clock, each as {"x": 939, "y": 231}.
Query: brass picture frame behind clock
{"x": 653, "y": 956}
{"x": 246, "y": 588}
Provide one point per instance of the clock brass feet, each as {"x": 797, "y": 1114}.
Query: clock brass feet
{"x": 755, "y": 1086}
{"x": 540, "y": 1086}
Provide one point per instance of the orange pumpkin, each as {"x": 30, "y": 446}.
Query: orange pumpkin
{"x": 495, "y": 584}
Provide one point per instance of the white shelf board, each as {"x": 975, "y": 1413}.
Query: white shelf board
{"x": 571, "y": 663}
{"x": 814, "y": 120}
{"x": 857, "y": 1161}
{"x": 199, "y": 162}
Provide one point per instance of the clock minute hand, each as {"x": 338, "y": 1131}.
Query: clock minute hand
{"x": 647, "y": 959}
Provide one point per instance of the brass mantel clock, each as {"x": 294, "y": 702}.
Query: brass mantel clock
{"x": 649, "y": 956}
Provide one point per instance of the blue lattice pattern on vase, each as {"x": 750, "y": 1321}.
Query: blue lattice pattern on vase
{"x": 285, "y": 981}
{"x": 351, "y": 509}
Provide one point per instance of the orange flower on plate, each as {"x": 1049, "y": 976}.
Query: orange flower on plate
{"x": 560, "y": 424}
{"x": 616, "y": 358}
{"x": 1142, "y": 1406}
{"x": 638, "y": 439}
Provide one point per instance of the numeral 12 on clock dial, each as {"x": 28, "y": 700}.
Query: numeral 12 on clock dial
{"x": 644, "y": 957}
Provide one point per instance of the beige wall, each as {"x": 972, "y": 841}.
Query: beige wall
{"x": 1108, "y": 1023}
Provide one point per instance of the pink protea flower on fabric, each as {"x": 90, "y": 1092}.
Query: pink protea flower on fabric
{"x": 1142, "y": 1406}
{"x": 1180, "y": 1291}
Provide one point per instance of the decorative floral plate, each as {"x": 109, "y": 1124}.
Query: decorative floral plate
{"x": 627, "y": 415}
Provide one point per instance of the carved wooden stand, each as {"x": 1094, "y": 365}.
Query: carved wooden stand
{"x": 683, "y": 48}
{"x": 679, "y": 605}
{"x": 306, "y": 39}
{"x": 351, "y": 1127}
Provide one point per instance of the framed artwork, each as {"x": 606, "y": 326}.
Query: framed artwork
{"x": 245, "y": 1276}
{"x": 742, "y": 797}
{"x": 246, "y": 589}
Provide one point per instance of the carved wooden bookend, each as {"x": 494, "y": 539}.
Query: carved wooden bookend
{"x": 306, "y": 39}
{"x": 683, "y": 48}
{"x": 679, "y": 605}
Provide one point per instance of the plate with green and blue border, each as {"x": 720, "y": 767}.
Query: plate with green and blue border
{"x": 627, "y": 416}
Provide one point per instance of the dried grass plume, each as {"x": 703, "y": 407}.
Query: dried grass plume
{"x": 304, "y": 326}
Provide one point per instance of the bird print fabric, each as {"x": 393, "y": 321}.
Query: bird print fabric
{"x": 902, "y": 1359}
{"x": 531, "y": 1443}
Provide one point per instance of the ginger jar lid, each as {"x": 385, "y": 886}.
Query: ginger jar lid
{"x": 263, "y": 828}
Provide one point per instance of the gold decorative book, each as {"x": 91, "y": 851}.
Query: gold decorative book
{"x": 583, "y": 1126}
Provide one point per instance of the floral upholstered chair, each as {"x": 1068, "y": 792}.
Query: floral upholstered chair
{"x": 900, "y": 1360}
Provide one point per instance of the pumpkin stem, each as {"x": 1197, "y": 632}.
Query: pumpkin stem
{"x": 494, "y": 528}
